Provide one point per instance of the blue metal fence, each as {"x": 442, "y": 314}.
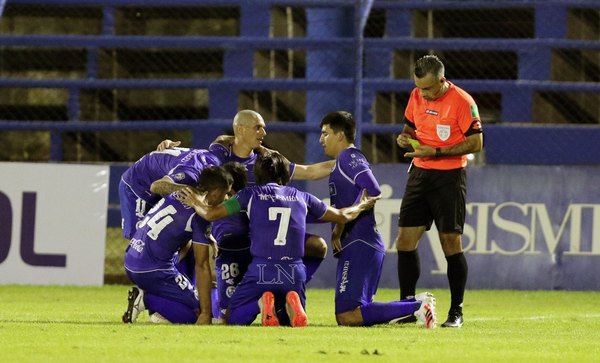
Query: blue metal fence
{"x": 350, "y": 86}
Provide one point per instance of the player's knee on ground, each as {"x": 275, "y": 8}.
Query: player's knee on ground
{"x": 315, "y": 247}
{"x": 350, "y": 318}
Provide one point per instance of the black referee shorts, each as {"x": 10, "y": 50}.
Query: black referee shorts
{"x": 435, "y": 195}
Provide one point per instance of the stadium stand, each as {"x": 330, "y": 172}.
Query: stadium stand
{"x": 84, "y": 71}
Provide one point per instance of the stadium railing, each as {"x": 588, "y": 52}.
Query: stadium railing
{"x": 533, "y": 71}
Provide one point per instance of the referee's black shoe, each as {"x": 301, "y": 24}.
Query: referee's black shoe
{"x": 455, "y": 319}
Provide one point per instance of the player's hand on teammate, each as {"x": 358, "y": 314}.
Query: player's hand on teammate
{"x": 225, "y": 140}
{"x": 192, "y": 198}
{"x": 336, "y": 245}
{"x": 336, "y": 239}
{"x": 367, "y": 201}
{"x": 167, "y": 144}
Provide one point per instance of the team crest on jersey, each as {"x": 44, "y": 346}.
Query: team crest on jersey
{"x": 332, "y": 189}
{"x": 179, "y": 176}
{"x": 443, "y": 132}
{"x": 431, "y": 112}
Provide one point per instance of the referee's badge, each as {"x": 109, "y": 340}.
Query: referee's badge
{"x": 443, "y": 132}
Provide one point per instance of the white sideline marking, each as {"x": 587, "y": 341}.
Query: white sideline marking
{"x": 542, "y": 317}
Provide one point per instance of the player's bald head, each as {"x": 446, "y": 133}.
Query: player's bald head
{"x": 247, "y": 118}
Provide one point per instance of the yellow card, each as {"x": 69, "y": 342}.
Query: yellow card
{"x": 414, "y": 143}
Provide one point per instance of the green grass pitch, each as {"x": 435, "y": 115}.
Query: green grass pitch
{"x": 82, "y": 324}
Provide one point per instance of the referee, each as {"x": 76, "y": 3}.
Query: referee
{"x": 442, "y": 126}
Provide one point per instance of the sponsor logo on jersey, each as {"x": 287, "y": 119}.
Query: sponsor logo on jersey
{"x": 431, "y": 112}
{"x": 137, "y": 245}
{"x": 355, "y": 163}
{"x": 344, "y": 281}
{"x": 274, "y": 197}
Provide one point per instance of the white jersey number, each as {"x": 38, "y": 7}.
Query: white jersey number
{"x": 229, "y": 271}
{"x": 284, "y": 222}
{"x": 158, "y": 221}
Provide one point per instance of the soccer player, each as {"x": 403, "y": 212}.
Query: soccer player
{"x": 277, "y": 214}
{"x": 445, "y": 121}
{"x": 151, "y": 255}
{"x": 233, "y": 241}
{"x": 358, "y": 245}
{"x": 154, "y": 175}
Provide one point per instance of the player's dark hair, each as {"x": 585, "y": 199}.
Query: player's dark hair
{"x": 341, "y": 121}
{"x": 271, "y": 168}
{"x": 429, "y": 64}
{"x": 238, "y": 172}
{"x": 214, "y": 177}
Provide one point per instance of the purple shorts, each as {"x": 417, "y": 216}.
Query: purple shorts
{"x": 358, "y": 272}
{"x": 279, "y": 277}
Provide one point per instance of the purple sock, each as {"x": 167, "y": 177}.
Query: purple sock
{"x": 244, "y": 314}
{"x": 312, "y": 264}
{"x": 377, "y": 313}
{"x": 214, "y": 297}
{"x": 173, "y": 311}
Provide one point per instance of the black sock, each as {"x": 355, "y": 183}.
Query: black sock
{"x": 457, "y": 279}
{"x": 409, "y": 270}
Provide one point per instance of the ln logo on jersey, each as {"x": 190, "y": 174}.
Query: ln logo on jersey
{"x": 431, "y": 112}
{"x": 443, "y": 132}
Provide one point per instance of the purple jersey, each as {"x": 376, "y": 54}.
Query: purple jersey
{"x": 182, "y": 165}
{"x": 167, "y": 227}
{"x": 225, "y": 155}
{"x": 277, "y": 217}
{"x": 344, "y": 192}
{"x": 231, "y": 233}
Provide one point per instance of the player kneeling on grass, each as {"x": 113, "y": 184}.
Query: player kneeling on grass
{"x": 153, "y": 251}
{"x": 358, "y": 245}
{"x": 275, "y": 282}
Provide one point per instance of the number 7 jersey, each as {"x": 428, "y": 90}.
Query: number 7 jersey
{"x": 277, "y": 217}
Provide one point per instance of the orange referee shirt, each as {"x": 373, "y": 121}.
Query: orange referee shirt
{"x": 443, "y": 122}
